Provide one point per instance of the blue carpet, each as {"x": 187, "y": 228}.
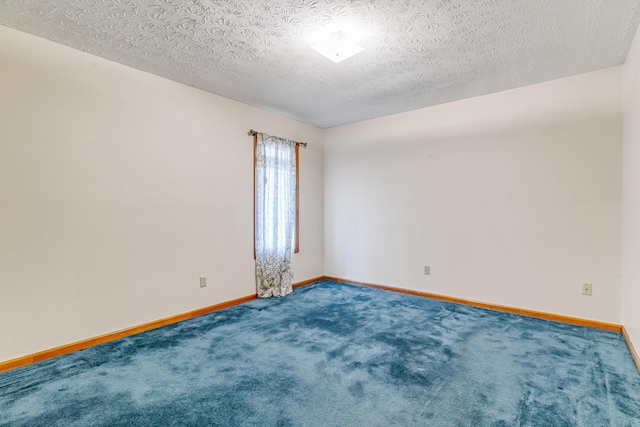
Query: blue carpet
{"x": 337, "y": 355}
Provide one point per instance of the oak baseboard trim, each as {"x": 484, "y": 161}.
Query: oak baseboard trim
{"x": 308, "y": 282}
{"x": 514, "y": 310}
{"x": 79, "y": 345}
{"x": 111, "y": 336}
{"x": 632, "y": 350}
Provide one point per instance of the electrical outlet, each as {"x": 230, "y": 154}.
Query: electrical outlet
{"x": 203, "y": 281}
{"x": 586, "y": 288}
{"x": 427, "y": 270}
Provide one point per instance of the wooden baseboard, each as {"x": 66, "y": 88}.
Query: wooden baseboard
{"x": 80, "y": 345}
{"x": 632, "y": 349}
{"x": 308, "y": 282}
{"x": 522, "y": 311}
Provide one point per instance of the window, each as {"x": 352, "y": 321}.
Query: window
{"x": 273, "y": 197}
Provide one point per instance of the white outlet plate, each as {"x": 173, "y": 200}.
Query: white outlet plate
{"x": 427, "y": 270}
{"x": 587, "y": 289}
{"x": 203, "y": 281}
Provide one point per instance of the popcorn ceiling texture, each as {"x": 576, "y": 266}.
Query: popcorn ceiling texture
{"x": 417, "y": 53}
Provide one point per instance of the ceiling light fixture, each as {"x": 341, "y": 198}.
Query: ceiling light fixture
{"x": 337, "y": 47}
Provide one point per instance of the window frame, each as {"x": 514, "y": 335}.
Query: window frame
{"x": 296, "y": 242}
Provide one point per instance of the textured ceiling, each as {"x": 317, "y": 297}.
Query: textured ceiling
{"x": 417, "y": 53}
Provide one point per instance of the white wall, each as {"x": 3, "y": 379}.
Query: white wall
{"x": 631, "y": 195}
{"x": 513, "y": 198}
{"x": 118, "y": 189}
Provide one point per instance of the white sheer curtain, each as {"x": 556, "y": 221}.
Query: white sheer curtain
{"x": 275, "y": 214}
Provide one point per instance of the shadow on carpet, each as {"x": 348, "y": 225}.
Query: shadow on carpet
{"x": 333, "y": 354}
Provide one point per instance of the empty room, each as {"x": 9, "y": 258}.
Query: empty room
{"x": 319, "y": 213}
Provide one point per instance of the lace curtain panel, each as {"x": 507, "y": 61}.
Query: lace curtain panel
{"x": 275, "y": 214}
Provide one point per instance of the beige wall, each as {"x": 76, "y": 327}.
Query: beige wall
{"x": 631, "y": 196}
{"x": 512, "y": 198}
{"x": 118, "y": 189}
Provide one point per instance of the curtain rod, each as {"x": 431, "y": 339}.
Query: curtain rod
{"x": 253, "y": 132}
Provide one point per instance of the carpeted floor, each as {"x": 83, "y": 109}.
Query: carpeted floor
{"x": 337, "y": 355}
